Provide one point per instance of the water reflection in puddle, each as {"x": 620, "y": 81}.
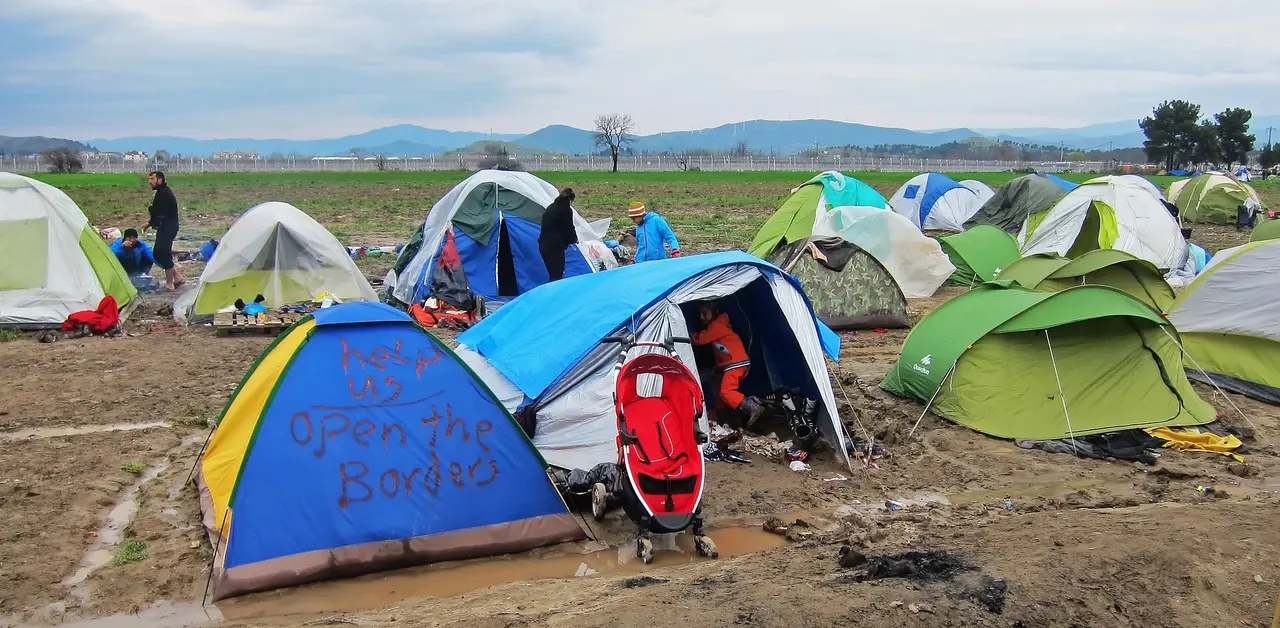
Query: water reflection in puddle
{"x": 109, "y": 535}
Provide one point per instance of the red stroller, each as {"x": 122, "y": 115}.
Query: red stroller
{"x": 658, "y": 446}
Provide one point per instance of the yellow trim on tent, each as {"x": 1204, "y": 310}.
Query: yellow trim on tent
{"x": 224, "y": 457}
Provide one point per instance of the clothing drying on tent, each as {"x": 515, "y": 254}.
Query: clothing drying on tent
{"x": 849, "y": 288}
{"x": 934, "y": 201}
{"x": 983, "y": 190}
{"x": 481, "y": 239}
{"x": 1018, "y": 199}
{"x": 1116, "y": 269}
{"x": 358, "y": 442}
{"x": 915, "y": 260}
{"x": 1212, "y": 199}
{"x": 979, "y": 254}
{"x": 563, "y": 384}
{"x": 1228, "y": 322}
{"x": 52, "y": 262}
{"x": 279, "y": 252}
{"x": 1266, "y": 230}
{"x": 1119, "y": 213}
{"x": 1020, "y": 364}
{"x": 808, "y": 207}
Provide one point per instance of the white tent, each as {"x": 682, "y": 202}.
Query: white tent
{"x": 52, "y": 262}
{"x": 915, "y": 260}
{"x": 508, "y": 204}
{"x": 934, "y": 201}
{"x": 1133, "y": 180}
{"x": 984, "y": 191}
{"x": 275, "y": 250}
{"x": 569, "y": 381}
{"x": 1122, "y": 213}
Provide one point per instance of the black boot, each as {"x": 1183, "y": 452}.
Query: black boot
{"x": 754, "y": 409}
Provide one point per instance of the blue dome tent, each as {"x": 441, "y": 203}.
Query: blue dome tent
{"x": 542, "y": 352}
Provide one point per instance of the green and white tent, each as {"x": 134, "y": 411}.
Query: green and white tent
{"x": 1016, "y": 200}
{"x": 52, "y": 262}
{"x": 1229, "y": 324}
{"x": 849, "y": 288}
{"x": 807, "y": 206}
{"x": 979, "y": 254}
{"x": 1212, "y": 199}
{"x": 1266, "y": 230}
{"x": 1105, "y": 267}
{"x": 1021, "y": 364}
{"x": 275, "y": 250}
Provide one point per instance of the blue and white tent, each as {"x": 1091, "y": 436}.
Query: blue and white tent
{"x": 493, "y": 220}
{"x": 935, "y": 201}
{"x": 544, "y": 348}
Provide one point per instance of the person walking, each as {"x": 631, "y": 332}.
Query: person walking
{"x": 164, "y": 219}
{"x": 557, "y": 233}
{"x": 653, "y": 235}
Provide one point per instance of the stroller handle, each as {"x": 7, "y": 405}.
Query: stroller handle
{"x": 629, "y": 342}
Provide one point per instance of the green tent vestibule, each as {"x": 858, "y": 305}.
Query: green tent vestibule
{"x": 1106, "y": 267}
{"x": 1021, "y": 364}
{"x": 979, "y": 254}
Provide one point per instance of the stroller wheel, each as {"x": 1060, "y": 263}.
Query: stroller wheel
{"x": 599, "y": 500}
{"x": 644, "y": 549}
{"x": 706, "y": 547}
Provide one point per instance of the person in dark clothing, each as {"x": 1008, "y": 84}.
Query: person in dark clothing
{"x": 164, "y": 219}
{"x": 557, "y": 233}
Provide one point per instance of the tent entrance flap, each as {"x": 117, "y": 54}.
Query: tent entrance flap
{"x": 507, "y": 284}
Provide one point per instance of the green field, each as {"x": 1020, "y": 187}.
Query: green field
{"x": 708, "y": 210}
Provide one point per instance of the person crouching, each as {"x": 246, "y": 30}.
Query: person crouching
{"x": 732, "y": 361}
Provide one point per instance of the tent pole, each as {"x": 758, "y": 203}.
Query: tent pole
{"x": 931, "y": 400}
{"x": 1215, "y": 386}
{"x": 1061, "y": 395}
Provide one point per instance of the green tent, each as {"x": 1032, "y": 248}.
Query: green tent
{"x": 849, "y": 288}
{"x": 1020, "y": 364}
{"x": 794, "y": 220}
{"x": 1016, "y": 200}
{"x": 1211, "y": 198}
{"x": 979, "y": 254}
{"x": 1266, "y": 230}
{"x": 1106, "y": 267}
{"x": 1228, "y": 324}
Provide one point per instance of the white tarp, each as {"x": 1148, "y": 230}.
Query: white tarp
{"x": 70, "y": 284}
{"x": 440, "y": 219}
{"x": 915, "y": 260}
{"x": 1145, "y": 228}
{"x": 576, "y": 422}
{"x": 1238, "y": 293}
{"x": 301, "y": 257}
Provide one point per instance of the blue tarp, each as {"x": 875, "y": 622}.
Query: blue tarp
{"x": 539, "y": 336}
{"x": 377, "y": 433}
{"x": 1062, "y": 183}
{"x": 840, "y": 190}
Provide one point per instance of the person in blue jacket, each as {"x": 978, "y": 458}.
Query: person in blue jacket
{"x": 653, "y": 235}
{"x": 135, "y": 255}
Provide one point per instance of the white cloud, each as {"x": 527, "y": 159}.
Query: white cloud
{"x": 313, "y": 68}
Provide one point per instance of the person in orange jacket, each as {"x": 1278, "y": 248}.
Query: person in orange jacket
{"x": 732, "y": 361}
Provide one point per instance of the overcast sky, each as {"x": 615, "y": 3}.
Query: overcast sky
{"x": 324, "y": 68}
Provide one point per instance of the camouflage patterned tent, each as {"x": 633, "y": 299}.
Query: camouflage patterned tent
{"x": 849, "y": 288}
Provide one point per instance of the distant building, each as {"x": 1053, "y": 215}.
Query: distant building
{"x": 135, "y": 155}
{"x": 235, "y": 155}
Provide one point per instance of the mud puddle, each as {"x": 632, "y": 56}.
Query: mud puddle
{"x": 1031, "y": 490}
{"x": 53, "y": 432}
{"x": 109, "y": 536}
{"x": 444, "y": 580}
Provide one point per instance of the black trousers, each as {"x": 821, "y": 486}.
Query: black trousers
{"x": 553, "y": 258}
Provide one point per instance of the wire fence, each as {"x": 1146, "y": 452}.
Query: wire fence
{"x": 630, "y": 163}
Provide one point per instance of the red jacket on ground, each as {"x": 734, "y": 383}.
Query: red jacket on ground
{"x": 99, "y": 321}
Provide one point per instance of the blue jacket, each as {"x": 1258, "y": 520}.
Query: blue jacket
{"x": 136, "y": 261}
{"x": 653, "y": 236}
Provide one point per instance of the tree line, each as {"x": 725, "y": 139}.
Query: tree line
{"x": 1179, "y": 137}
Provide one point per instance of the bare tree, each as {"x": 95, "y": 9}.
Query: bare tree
{"x": 740, "y": 149}
{"x": 380, "y": 162}
{"x": 162, "y": 156}
{"x": 63, "y": 160}
{"x": 614, "y": 132}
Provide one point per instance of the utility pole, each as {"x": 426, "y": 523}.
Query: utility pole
{"x": 1269, "y": 130}
{"x": 1062, "y": 151}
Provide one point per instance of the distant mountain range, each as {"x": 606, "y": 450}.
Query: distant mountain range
{"x": 33, "y": 145}
{"x": 781, "y": 137}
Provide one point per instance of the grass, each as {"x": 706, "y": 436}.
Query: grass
{"x": 194, "y": 414}
{"x": 9, "y": 335}
{"x": 708, "y": 210}
{"x": 134, "y": 551}
{"x": 134, "y": 467}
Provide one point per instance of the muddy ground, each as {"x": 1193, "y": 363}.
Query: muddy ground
{"x": 1086, "y": 543}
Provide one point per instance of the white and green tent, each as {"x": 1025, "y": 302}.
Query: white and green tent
{"x": 1228, "y": 323}
{"x": 1212, "y": 199}
{"x": 52, "y": 262}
